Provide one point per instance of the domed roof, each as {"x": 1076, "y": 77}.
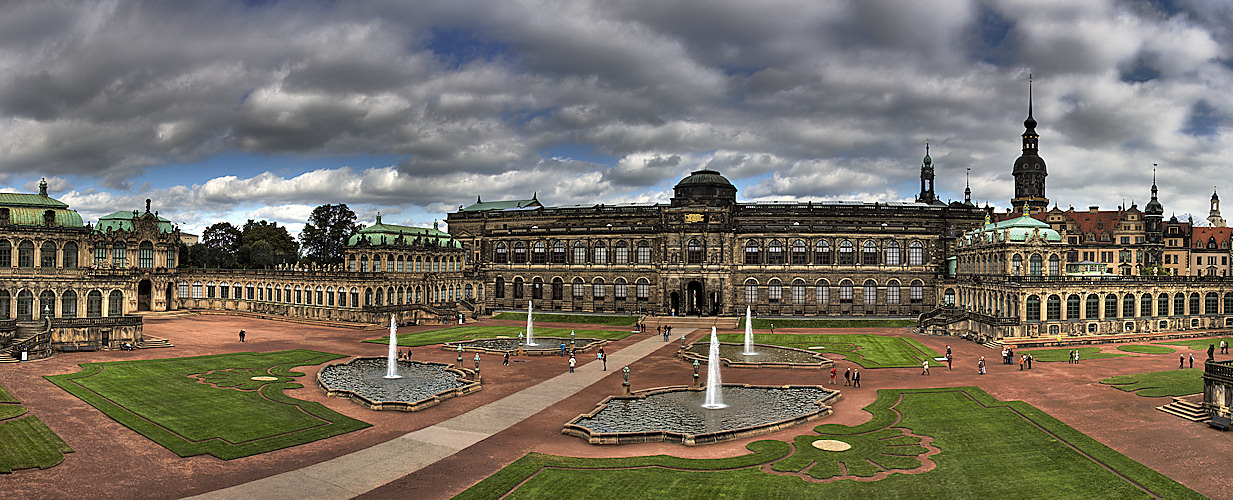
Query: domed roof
{"x": 705, "y": 176}
{"x": 704, "y": 187}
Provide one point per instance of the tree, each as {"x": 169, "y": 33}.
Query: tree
{"x": 222, "y": 242}
{"x": 326, "y": 233}
{"x": 266, "y": 244}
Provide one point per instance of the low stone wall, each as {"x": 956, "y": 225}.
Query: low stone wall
{"x": 467, "y": 375}
{"x": 553, "y": 351}
{"x": 822, "y": 364}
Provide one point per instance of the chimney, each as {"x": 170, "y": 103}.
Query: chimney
{"x": 1093, "y": 208}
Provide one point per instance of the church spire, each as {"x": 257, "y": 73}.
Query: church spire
{"x": 926, "y": 179}
{"x": 967, "y": 187}
{"x": 1030, "y": 171}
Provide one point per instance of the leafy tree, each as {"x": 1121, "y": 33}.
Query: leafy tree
{"x": 326, "y": 233}
{"x": 277, "y": 246}
{"x": 222, "y": 242}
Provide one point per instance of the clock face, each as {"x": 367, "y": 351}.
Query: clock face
{"x": 691, "y": 218}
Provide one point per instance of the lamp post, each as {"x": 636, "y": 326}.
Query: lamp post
{"x": 696, "y": 374}
{"x": 682, "y": 342}
{"x": 477, "y": 370}
{"x": 625, "y": 384}
{"x": 571, "y": 339}
{"x": 460, "y": 357}
{"x": 520, "y": 343}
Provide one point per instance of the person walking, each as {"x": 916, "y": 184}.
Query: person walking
{"x": 1029, "y": 360}
{"x": 603, "y": 359}
{"x": 505, "y": 362}
{"x": 1181, "y": 361}
{"x": 1022, "y": 361}
{"x": 1192, "y": 360}
{"x": 856, "y": 378}
{"x": 847, "y": 377}
{"x": 948, "y": 350}
{"x": 1224, "y": 347}
{"x": 1076, "y": 356}
{"x": 241, "y": 335}
{"x": 949, "y": 359}
{"x": 980, "y": 366}
{"x": 924, "y": 367}
{"x": 833, "y": 372}
{"x": 571, "y": 364}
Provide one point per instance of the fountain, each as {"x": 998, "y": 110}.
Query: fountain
{"x": 530, "y": 339}
{"x": 714, "y": 396}
{"x": 391, "y": 359}
{"x": 420, "y": 384}
{"x": 748, "y": 333}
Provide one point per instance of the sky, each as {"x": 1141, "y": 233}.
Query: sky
{"x": 229, "y": 110}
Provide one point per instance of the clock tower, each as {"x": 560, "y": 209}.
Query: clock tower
{"x": 1029, "y": 169}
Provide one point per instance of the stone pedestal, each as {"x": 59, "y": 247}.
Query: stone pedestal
{"x": 625, "y": 385}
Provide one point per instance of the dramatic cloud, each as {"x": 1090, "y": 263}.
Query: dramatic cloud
{"x": 597, "y": 101}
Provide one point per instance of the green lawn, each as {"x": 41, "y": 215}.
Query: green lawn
{"x": 595, "y": 319}
{"x": 1180, "y": 382}
{"x": 451, "y": 334}
{"x": 229, "y": 417}
{"x": 765, "y": 324}
{"x": 26, "y": 442}
{"x": 869, "y": 351}
{"x": 989, "y": 449}
{"x": 1200, "y": 344}
{"x": 1085, "y": 353}
{"x": 1145, "y": 349}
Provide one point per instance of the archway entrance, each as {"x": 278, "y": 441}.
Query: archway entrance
{"x": 144, "y": 290}
{"x": 695, "y": 297}
{"x": 168, "y": 305}
{"x": 674, "y": 303}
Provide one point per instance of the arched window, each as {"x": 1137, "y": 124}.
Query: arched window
{"x": 367, "y": 297}
{"x": 1211, "y": 304}
{"x": 100, "y": 253}
{"x": 644, "y": 252}
{"x": 389, "y": 296}
{"x": 1034, "y": 264}
{"x": 892, "y": 253}
{"x": 363, "y": 263}
{"x": 329, "y": 296}
{"x": 68, "y": 304}
{"x": 1193, "y": 310}
{"x": 751, "y": 291}
{"x": 47, "y": 304}
{"x": 558, "y": 288}
{"x": 846, "y": 253}
{"x": 518, "y": 291}
{"x": 119, "y": 254}
{"x": 892, "y": 292}
{"x": 400, "y": 265}
{"x": 183, "y": 290}
{"x": 822, "y": 253}
{"x": 916, "y": 292}
{"x": 693, "y": 251}
{"x": 752, "y": 251}
{"x": 1110, "y": 306}
{"x": 621, "y": 255}
{"x": 1016, "y": 265}
{"x": 916, "y": 254}
{"x": 538, "y": 253}
{"x": 642, "y": 289}
{"x": 94, "y": 303}
{"x": 419, "y": 263}
{"x": 822, "y": 291}
{"x": 1053, "y": 308}
{"x": 1179, "y": 304}
{"x": 800, "y": 253}
{"x": 4, "y": 303}
{"x": 1055, "y": 265}
{"x": 618, "y": 289}
{"x": 869, "y": 253}
{"x": 498, "y": 287}
{"x": 558, "y": 252}
{"x": 949, "y": 297}
{"x": 378, "y": 297}
{"x": 145, "y": 255}
{"x": 578, "y": 288}
{"x": 580, "y": 252}
{"x": 501, "y": 255}
{"x": 845, "y": 291}
{"x": 1145, "y": 305}
{"x": 597, "y": 289}
{"x": 115, "y": 303}
{"x": 223, "y": 290}
{"x": 355, "y": 297}
{"x": 1072, "y": 307}
{"x": 1128, "y": 305}
{"x": 774, "y": 291}
{"x": 25, "y": 305}
{"x": 774, "y": 253}
{"x": 1162, "y": 305}
{"x": 25, "y": 254}
{"x": 601, "y": 253}
{"x": 47, "y": 255}
{"x": 6, "y": 254}
{"x": 1033, "y": 308}
{"x": 869, "y": 295}
{"x": 171, "y": 255}
{"x": 320, "y": 296}
{"x": 196, "y": 291}
{"x": 537, "y": 288}
{"x": 1228, "y": 303}
{"x": 70, "y": 255}
{"x": 468, "y": 291}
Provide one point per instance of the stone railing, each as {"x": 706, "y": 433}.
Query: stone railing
{"x": 1221, "y": 371}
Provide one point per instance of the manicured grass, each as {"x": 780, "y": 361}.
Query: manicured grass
{"x": 451, "y": 334}
{"x": 229, "y": 417}
{"x": 983, "y": 442}
{"x": 1179, "y": 382}
{"x": 1085, "y": 353}
{"x": 1145, "y": 349}
{"x": 869, "y": 351}
{"x": 592, "y": 319}
{"x": 27, "y": 443}
{"x": 1200, "y": 344}
{"x": 765, "y": 324}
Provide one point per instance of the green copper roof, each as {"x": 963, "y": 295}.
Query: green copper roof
{"x": 390, "y": 234}
{"x": 30, "y": 200}
{"x": 1018, "y": 229}
{"x": 123, "y": 221}
{"x": 480, "y": 206}
{"x": 30, "y": 216}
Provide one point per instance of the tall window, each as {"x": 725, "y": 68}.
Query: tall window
{"x": 94, "y": 304}
{"x": 70, "y": 255}
{"x": 1033, "y": 308}
{"x": 1128, "y": 306}
{"x": 537, "y": 288}
{"x": 892, "y": 292}
{"x": 538, "y": 255}
{"x": 822, "y": 253}
{"x": 751, "y": 292}
{"x": 751, "y": 252}
{"x": 1193, "y": 310}
{"x": 622, "y": 253}
{"x": 578, "y": 288}
{"x": 498, "y": 288}
{"x": 518, "y": 291}
{"x": 4, "y": 304}
{"x": 580, "y": 252}
{"x": 869, "y": 293}
{"x": 558, "y": 289}
{"x": 196, "y": 290}
{"x": 115, "y": 303}
{"x": 6, "y": 254}
{"x": 822, "y": 290}
{"x": 1162, "y": 305}
{"x": 892, "y": 253}
{"x": 1092, "y": 307}
{"x": 47, "y": 255}
{"x": 25, "y": 254}
{"x": 25, "y": 305}
{"x": 774, "y": 253}
{"x": 799, "y": 253}
{"x": 869, "y": 253}
{"x": 644, "y": 252}
{"x": 601, "y": 253}
{"x": 916, "y": 254}
{"x": 774, "y": 291}
{"x": 846, "y": 255}
{"x": 1016, "y": 265}
{"x": 1053, "y": 308}
{"x": 68, "y": 304}
{"x": 845, "y": 292}
{"x": 642, "y": 289}
{"x": 47, "y": 303}
{"x": 558, "y": 252}
{"x": 119, "y": 254}
{"x": 1055, "y": 265}
{"x": 145, "y": 255}
{"x": 1110, "y": 306}
{"x": 916, "y": 293}
{"x": 100, "y": 253}
{"x": 501, "y": 255}
{"x": 618, "y": 289}
{"x": 693, "y": 252}
{"x": 1211, "y": 304}
{"x": 597, "y": 289}
{"x": 182, "y": 291}
{"x": 798, "y": 291}
{"x": 1179, "y": 304}
{"x": 1145, "y": 305}
{"x": 1072, "y": 307}
{"x": 1034, "y": 264}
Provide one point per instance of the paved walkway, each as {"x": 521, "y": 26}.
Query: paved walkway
{"x": 357, "y": 473}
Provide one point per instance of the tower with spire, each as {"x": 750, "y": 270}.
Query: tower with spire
{"x": 1030, "y": 169}
{"x": 1214, "y": 217}
{"x": 1153, "y": 225}
{"x": 926, "y": 179}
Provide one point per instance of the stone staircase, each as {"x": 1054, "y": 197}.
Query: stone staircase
{"x": 149, "y": 342}
{"x": 25, "y": 330}
{"x": 993, "y": 344}
{"x": 1188, "y": 410}
{"x": 686, "y": 323}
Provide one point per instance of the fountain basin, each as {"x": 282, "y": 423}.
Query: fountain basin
{"x": 675, "y": 414}
{"x": 768, "y": 356}
{"x": 422, "y": 385}
{"x": 545, "y": 346}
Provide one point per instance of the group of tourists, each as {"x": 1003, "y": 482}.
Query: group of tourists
{"x": 665, "y": 330}
{"x": 1074, "y": 357}
{"x": 850, "y": 377}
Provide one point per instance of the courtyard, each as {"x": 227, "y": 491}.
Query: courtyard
{"x": 952, "y": 433}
